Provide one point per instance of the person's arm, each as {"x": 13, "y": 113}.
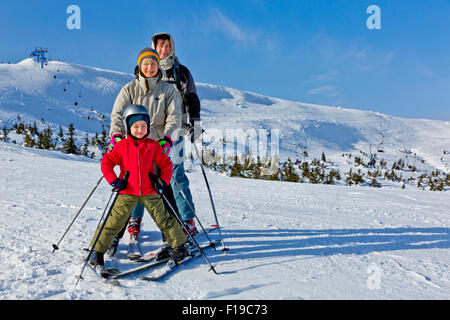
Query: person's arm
{"x": 173, "y": 113}
{"x": 164, "y": 163}
{"x": 190, "y": 95}
{"x": 109, "y": 161}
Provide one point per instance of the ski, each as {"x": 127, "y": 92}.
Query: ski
{"x": 152, "y": 264}
{"x": 151, "y": 255}
{"x": 172, "y": 266}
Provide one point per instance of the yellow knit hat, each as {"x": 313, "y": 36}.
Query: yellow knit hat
{"x": 147, "y": 53}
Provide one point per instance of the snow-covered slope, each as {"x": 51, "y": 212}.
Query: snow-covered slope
{"x": 286, "y": 240}
{"x": 51, "y": 93}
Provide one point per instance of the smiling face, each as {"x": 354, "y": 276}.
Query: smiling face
{"x": 139, "y": 129}
{"x": 163, "y": 47}
{"x": 149, "y": 68}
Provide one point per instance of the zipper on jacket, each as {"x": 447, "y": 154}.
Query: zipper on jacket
{"x": 139, "y": 169}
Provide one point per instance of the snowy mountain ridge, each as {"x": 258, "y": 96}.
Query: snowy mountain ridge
{"x": 64, "y": 93}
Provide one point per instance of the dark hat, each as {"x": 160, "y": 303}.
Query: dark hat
{"x": 137, "y": 117}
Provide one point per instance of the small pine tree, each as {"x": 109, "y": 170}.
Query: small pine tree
{"x": 94, "y": 141}
{"x": 28, "y": 140}
{"x": 374, "y": 183}
{"x": 69, "y": 145}
{"x": 61, "y": 134}
{"x": 5, "y": 132}
{"x": 85, "y": 147}
{"x": 289, "y": 172}
{"x": 236, "y": 168}
{"x": 45, "y": 139}
{"x": 102, "y": 142}
{"x": 20, "y": 127}
{"x": 306, "y": 174}
{"x": 359, "y": 161}
{"x": 35, "y": 129}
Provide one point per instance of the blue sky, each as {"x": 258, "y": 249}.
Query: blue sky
{"x": 312, "y": 51}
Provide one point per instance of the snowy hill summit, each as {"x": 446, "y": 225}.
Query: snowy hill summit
{"x": 62, "y": 93}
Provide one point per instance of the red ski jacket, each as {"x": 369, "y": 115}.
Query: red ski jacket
{"x": 139, "y": 158}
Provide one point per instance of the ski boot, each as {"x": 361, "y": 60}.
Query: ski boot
{"x": 97, "y": 263}
{"x": 179, "y": 253}
{"x": 134, "y": 227}
{"x": 113, "y": 247}
{"x": 190, "y": 226}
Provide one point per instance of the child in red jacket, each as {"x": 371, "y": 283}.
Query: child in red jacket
{"x": 138, "y": 155}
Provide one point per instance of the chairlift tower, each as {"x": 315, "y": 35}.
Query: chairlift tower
{"x": 39, "y": 53}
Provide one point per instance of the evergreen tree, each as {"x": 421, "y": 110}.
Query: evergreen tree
{"x": 45, "y": 139}
{"x": 94, "y": 141}
{"x": 5, "y": 132}
{"x": 69, "y": 145}
{"x": 20, "y": 127}
{"x": 306, "y": 174}
{"x": 374, "y": 183}
{"x": 35, "y": 129}
{"x": 102, "y": 142}
{"x": 289, "y": 172}
{"x": 85, "y": 147}
{"x": 28, "y": 140}
{"x": 61, "y": 134}
{"x": 236, "y": 168}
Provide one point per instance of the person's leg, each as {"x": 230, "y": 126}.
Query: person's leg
{"x": 168, "y": 225}
{"x": 134, "y": 227}
{"x": 116, "y": 220}
{"x": 182, "y": 182}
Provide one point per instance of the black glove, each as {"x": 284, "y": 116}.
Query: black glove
{"x": 119, "y": 184}
{"x": 195, "y": 130}
{"x": 157, "y": 183}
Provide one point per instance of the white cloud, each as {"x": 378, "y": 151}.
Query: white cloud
{"x": 219, "y": 23}
{"x": 229, "y": 28}
{"x": 326, "y": 76}
{"x": 326, "y": 90}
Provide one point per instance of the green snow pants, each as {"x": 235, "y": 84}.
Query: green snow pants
{"x": 121, "y": 211}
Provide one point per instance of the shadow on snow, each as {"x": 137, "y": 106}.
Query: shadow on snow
{"x": 290, "y": 242}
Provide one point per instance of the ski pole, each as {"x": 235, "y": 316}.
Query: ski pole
{"x": 115, "y": 193}
{"x": 56, "y": 246}
{"x": 211, "y": 199}
{"x": 189, "y": 234}
{"x": 212, "y": 244}
{"x": 173, "y": 212}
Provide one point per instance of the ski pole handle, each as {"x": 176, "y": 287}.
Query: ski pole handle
{"x": 126, "y": 175}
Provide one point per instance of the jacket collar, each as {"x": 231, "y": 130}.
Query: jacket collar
{"x": 133, "y": 140}
{"x": 149, "y": 84}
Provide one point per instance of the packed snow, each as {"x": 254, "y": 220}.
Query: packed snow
{"x": 286, "y": 240}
